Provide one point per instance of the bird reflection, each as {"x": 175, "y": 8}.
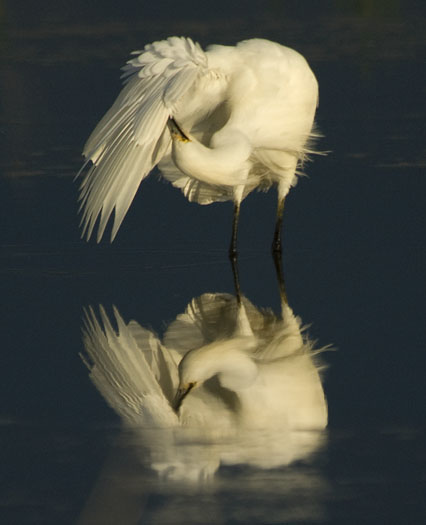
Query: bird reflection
{"x": 229, "y": 383}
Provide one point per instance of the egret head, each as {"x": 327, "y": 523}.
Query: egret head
{"x": 196, "y": 367}
{"x": 228, "y": 359}
{"x": 182, "y": 391}
{"x": 176, "y": 131}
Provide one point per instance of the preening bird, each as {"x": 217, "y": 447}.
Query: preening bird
{"x": 248, "y": 385}
{"x": 218, "y": 123}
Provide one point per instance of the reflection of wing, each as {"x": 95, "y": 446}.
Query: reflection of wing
{"x": 132, "y": 137}
{"x": 275, "y": 420}
{"x": 219, "y": 316}
{"x": 214, "y": 316}
{"x": 134, "y": 373}
{"x": 206, "y": 319}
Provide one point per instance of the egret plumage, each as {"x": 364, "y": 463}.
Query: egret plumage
{"x": 248, "y": 385}
{"x": 218, "y": 123}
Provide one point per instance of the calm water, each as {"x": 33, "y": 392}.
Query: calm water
{"x": 354, "y": 264}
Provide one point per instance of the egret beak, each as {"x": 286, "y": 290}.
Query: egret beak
{"x": 181, "y": 393}
{"x": 176, "y": 132}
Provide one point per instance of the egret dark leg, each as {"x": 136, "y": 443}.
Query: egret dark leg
{"x": 234, "y": 263}
{"x": 233, "y": 246}
{"x": 280, "y": 275}
{"x": 276, "y": 243}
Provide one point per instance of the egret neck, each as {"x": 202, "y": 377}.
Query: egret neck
{"x": 227, "y": 359}
{"x": 225, "y": 163}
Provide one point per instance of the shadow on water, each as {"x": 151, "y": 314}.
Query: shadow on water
{"x": 259, "y": 407}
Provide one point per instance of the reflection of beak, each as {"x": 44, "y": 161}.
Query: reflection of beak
{"x": 181, "y": 393}
{"x": 176, "y": 132}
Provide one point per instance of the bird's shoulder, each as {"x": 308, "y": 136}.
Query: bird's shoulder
{"x": 177, "y": 70}
{"x": 165, "y": 57}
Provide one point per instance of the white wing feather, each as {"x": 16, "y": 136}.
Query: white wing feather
{"x": 132, "y": 137}
{"x": 133, "y": 378}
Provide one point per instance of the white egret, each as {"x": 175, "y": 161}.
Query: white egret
{"x": 248, "y": 383}
{"x": 219, "y": 123}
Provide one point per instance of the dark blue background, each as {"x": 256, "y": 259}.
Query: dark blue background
{"x": 354, "y": 231}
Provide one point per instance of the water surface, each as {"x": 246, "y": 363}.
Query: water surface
{"x": 354, "y": 259}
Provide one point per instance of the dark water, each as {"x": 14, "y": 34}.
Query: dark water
{"x": 354, "y": 263}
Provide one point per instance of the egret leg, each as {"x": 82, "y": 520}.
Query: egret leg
{"x": 236, "y": 275}
{"x": 233, "y": 246}
{"x": 276, "y": 243}
{"x": 278, "y": 262}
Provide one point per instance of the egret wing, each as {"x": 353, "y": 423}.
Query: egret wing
{"x": 122, "y": 373}
{"x": 132, "y": 137}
